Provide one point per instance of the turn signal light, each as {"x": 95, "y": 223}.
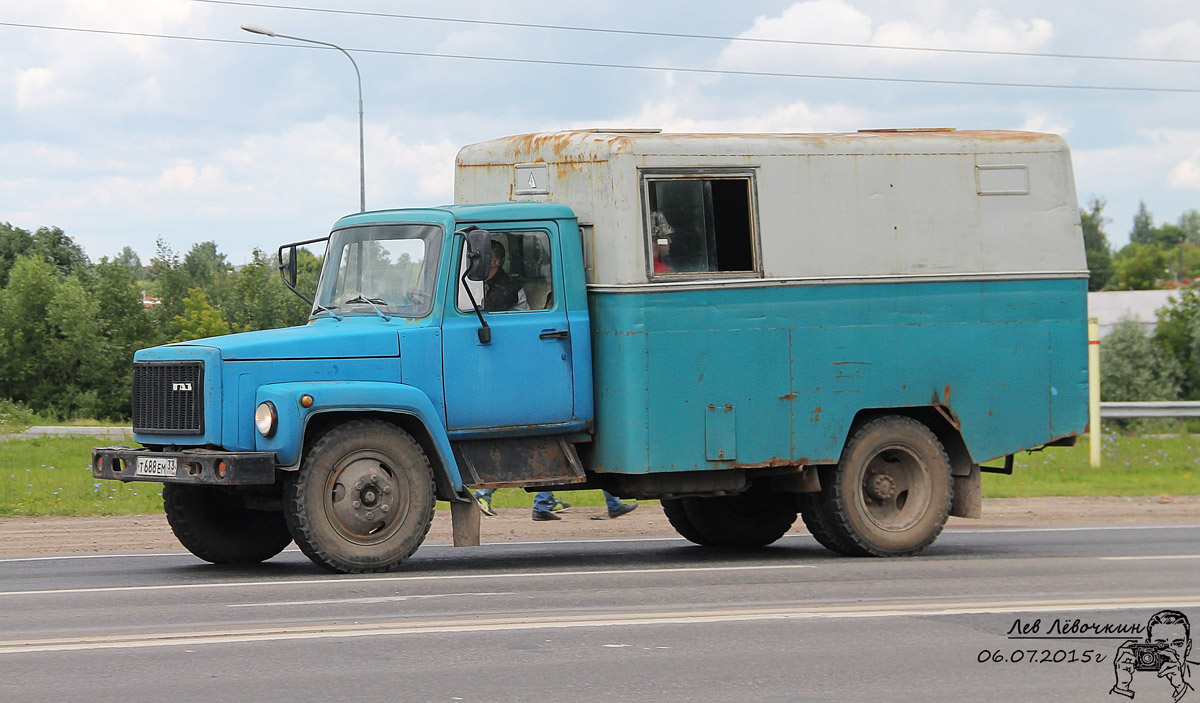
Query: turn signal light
{"x": 222, "y": 469}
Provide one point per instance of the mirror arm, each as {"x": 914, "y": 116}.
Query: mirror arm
{"x": 484, "y": 332}
{"x": 290, "y": 266}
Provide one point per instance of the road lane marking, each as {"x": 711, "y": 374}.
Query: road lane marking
{"x": 566, "y": 621}
{"x": 360, "y": 601}
{"x": 1152, "y": 557}
{"x": 362, "y": 580}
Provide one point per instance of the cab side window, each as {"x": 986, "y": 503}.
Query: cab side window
{"x": 700, "y": 225}
{"x": 520, "y": 277}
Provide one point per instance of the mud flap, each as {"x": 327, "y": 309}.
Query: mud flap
{"x": 465, "y": 518}
{"x": 968, "y": 495}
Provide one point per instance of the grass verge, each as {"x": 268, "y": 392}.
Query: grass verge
{"x": 51, "y": 476}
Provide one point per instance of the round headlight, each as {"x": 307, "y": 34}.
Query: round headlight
{"x": 265, "y": 418}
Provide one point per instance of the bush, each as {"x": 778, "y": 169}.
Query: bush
{"x": 15, "y": 417}
{"x": 1133, "y": 367}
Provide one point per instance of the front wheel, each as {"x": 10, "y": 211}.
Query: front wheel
{"x": 890, "y": 493}
{"x": 363, "y": 498}
{"x": 216, "y": 526}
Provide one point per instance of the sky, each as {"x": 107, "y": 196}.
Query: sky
{"x": 252, "y": 142}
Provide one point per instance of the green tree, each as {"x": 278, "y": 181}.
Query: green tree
{"x": 1176, "y": 333}
{"x": 126, "y": 325}
{"x": 48, "y": 340}
{"x": 1138, "y": 267}
{"x": 258, "y": 299}
{"x": 168, "y": 282}
{"x": 1143, "y": 226}
{"x": 130, "y": 260}
{"x": 14, "y": 243}
{"x": 199, "y": 319}
{"x": 59, "y": 250}
{"x": 1134, "y": 368}
{"x": 1189, "y": 222}
{"x": 1095, "y": 244}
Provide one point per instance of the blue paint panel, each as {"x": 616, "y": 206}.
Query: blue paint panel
{"x": 353, "y": 336}
{"x": 519, "y": 380}
{"x": 352, "y": 396}
{"x": 689, "y": 371}
{"x": 248, "y": 376}
{"x": 801, "y": 361}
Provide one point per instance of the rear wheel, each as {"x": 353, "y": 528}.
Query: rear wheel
{"x": 216, "y": 526}
{"x": 890, "y": 493}
{"x": 755, "y": 518}
{"x": 816, "y": 519}
{"x": 678, "y": 517}
{"x": 363, "y": 498}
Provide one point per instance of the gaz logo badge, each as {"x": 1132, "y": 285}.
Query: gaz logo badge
{"x": 181, "y": 386}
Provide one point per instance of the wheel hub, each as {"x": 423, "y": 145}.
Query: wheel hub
{"x": 362, "y": 499}
{"x": 881, "y": 487}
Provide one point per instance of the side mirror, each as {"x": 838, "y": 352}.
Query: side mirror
{"x": 479, "y": 261}
{"x": 287, "y": 265}
{"x": 479, "y": 254}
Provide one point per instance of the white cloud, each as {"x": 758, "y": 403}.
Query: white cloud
{"x": 39, "y": 88}
{"x": 838, "y": 21}
{"x": 1040, "y": 122}
{"x": 699, "y": 115}
{"x": 1176, "y": 40}
{"x": 1186, "y": 174}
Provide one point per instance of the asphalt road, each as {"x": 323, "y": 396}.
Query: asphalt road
{"x": 621, "y": 620}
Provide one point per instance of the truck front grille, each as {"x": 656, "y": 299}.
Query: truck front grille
{"x": 168, "y": 397}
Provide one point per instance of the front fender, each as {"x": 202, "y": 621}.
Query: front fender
{"x": 347, "y": 396}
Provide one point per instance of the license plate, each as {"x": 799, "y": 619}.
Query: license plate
{"x": 156, "y": 466}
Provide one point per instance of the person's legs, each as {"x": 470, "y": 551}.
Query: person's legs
{"x": 543, "y": 505}
{"x": 616, "y": 508}
{"x": 484, "y": 497}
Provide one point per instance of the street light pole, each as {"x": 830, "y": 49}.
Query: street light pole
{"x": 362, "y": 171}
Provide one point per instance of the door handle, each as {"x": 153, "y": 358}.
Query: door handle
{"x": 554, "y": 334}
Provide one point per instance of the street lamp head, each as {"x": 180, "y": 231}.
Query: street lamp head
{"x": 255, "y": 29}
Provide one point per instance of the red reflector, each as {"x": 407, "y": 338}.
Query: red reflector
{"x": 221, "y": 469}
{"x": 99, "y": 462}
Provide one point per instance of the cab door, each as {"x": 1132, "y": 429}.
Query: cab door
{"x": 523, "y": 377}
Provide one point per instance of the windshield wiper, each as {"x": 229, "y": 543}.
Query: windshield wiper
{"x": 317, "y": 307}
{"x": 373, "y": 302}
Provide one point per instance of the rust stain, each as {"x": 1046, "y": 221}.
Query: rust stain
{"x": 946, "y": 395}
{"x": 789, "y": 396}
{"x": 816, "y": 414}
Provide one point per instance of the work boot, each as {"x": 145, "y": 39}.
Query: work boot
{"x": 540, "y": 515}
{"x": 625, "y": 509}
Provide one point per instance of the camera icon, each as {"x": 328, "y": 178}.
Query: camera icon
{"x": 1148, "y": 656}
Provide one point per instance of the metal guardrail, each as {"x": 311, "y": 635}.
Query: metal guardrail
{"x": 1177, "y": 408}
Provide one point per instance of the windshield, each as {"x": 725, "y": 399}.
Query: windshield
{"x": 380, "y": 269}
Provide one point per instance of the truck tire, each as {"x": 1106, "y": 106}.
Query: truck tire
{"x": 215, "y": 525}
{"x": 816, "y": 519}
{"x": 890, "y": 493}
{"x": 754, "y": 518}
{"x": 363, "y": 498}
{"x": 678, "y": 517}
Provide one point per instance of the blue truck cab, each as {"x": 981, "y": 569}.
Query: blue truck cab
{"x": 748, "y": 328}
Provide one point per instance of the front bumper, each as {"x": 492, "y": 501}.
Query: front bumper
{"x": 194, "y": 466}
